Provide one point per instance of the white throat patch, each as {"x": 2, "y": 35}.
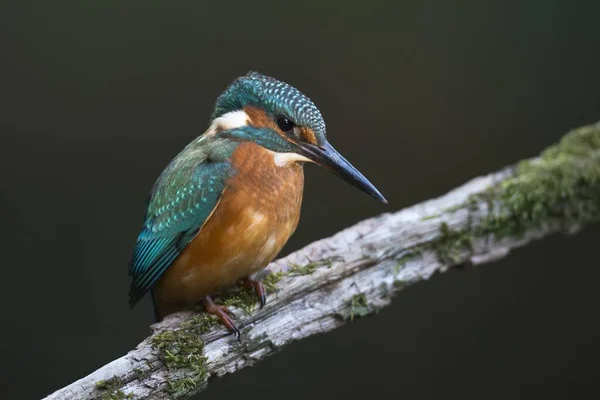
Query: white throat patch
{"x": 230, "y": 120}
{"x": 287, "y": 159}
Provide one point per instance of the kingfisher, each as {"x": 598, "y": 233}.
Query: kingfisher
{"x": 225, "y": 206}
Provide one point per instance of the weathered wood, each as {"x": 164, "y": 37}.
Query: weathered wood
{"x": 358, "y": 270}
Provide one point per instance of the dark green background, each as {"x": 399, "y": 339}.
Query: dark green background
{"x": 420, "y": 95}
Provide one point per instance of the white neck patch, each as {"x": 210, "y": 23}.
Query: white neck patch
{"x": 230, "y": 120}
{"x": 287, "y": 159}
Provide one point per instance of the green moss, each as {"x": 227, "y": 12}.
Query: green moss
{"x": 182, "y": 351}
{"x": 180, "y": 387}
{"x": 109, "y": 384}
{"x": 428, "y": 217}
{"x": 118, "y": 395}
{"x": 358, "y": 306}
{"x": 560, "y": 188}
{"x": 141, "y": 374}
{"x": 245, "y": 300}
{"x": 407, "y": 257}
{"x": 452, "y": 243}
{"x": 563, "y": 185}
{"x": 453, "y": 208}
{"x": 307, "y": 269}
{"x": 271, "y": 280}
{"x": 202, "y": 323}
{"x": 399, "y": 285}
{"x": 111, "y": 389}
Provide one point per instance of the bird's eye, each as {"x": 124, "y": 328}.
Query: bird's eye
{"x": 285, "y": 124}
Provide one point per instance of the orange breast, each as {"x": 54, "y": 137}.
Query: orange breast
{"x": 258, "y": 212}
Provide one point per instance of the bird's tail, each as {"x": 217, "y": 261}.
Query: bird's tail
{"x": 157, "y": 315}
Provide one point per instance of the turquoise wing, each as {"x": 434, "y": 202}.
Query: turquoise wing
{"x": 180, "y": 202}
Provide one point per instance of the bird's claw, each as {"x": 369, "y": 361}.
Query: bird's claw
{"x": 259, "y": 288}
{"x": 224, "y": 315}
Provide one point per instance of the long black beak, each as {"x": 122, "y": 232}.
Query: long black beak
{"x": 328, "y": 157}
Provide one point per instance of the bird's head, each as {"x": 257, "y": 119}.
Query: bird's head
{"x": 280, "y": 118}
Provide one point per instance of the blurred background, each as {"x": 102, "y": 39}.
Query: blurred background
{"x": 420, "y": 95}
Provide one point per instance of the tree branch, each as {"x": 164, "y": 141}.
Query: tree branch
{"x": 357, "y": 271}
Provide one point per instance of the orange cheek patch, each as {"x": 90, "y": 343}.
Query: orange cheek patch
{"x": 259, "y": 118}
{"x": 307, "y": 135}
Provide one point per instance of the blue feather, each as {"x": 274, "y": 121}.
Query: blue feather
{"x": 181, "y": 201}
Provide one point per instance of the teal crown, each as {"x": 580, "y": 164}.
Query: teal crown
{"x": 275, "y": 97}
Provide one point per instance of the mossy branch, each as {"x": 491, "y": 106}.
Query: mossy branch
{"x": 358, "y": 270}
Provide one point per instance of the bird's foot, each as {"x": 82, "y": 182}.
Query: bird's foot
{"x": 259, "y": 288}
{"x": 222, "y": 313}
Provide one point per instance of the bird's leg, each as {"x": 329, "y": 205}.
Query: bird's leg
{"x": 222, "y": 313}
{"x": 259, "y": 288}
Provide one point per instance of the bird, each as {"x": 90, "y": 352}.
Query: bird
{"x": 224, "y": 207}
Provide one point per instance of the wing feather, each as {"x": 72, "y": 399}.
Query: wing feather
{"x": 181, "y": 201}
